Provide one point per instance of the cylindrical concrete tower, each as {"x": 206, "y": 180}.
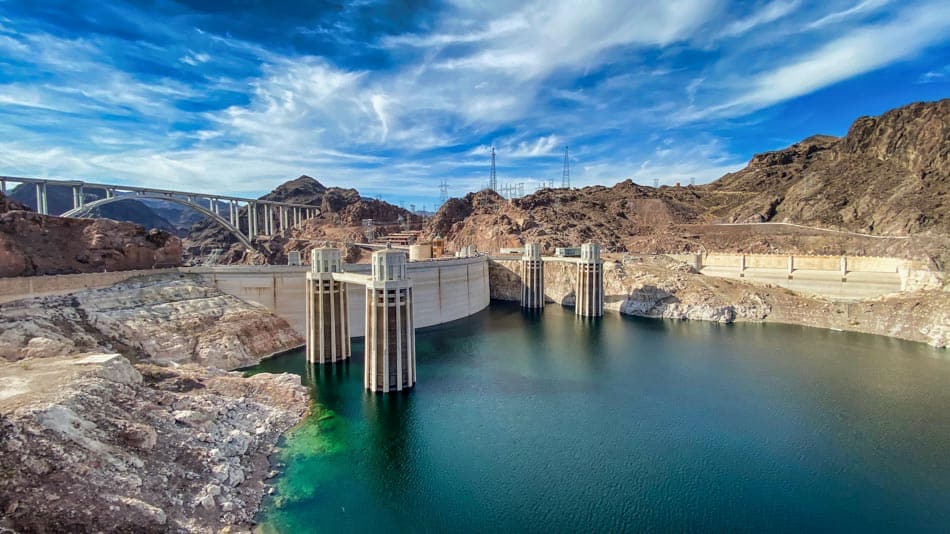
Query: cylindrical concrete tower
{"x": 328, "y": 332}
{"x": 390, "y": 330}
{"x": 589, "y": 293}
{"x": 532, "y": 277}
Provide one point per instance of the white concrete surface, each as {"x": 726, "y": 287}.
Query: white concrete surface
{"x": 824, "y": 283}
{"x": 443, "y": 290}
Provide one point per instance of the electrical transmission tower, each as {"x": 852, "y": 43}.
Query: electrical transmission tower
{"x": 656, "y": 183}
{"x": 492, "y": 177}
{"x": 443, "y": 192}
{"x": 566, "y": 174}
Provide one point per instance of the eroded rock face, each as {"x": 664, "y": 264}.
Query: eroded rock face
{"x": 33, "y": 244}
{"x": 164, "y": 318}
{"x": 92, "y": 443}
{"x": 661, "y": 288}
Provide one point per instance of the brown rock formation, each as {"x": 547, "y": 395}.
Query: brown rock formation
{"x": 8, "y": 204}
{"x": 34, "y": 244}
{"x": 341, "y": 214}
{"x": 889, "y": 176}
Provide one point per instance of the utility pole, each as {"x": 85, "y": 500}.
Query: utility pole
{"x": 566, "y": 173}
{"x": 492, "y": 177}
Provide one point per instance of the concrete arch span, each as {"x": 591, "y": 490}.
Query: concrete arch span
{"x": 224, "y": 223}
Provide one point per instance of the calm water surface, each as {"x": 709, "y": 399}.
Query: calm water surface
{"x": 544, "y": 422}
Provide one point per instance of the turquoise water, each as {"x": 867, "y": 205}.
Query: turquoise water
{"x": 543, "y": 422}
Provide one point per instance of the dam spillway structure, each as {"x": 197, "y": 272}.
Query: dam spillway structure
{"x": 532, "y": 277}
{"x": 328, "y": 333}
{"x": 589, "y": 293}
{"x": 390, "y": 363}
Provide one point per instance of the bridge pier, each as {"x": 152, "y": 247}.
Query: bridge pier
{"x": 532, "y": 277}
{"x": 390, "y": 363}
{"x": 328, "y": 332}
{"x": 252, "y": 220}
{"x": 41, "y": 206}
{"x": 589, "y": 293}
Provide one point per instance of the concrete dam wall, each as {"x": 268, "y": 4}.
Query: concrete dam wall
{"x": 443, "y": 290}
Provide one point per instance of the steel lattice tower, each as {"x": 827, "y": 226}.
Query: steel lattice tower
{"x": 566, "y": 174}
{"x": 443, "y": 191}
{"x": 492, "y": 177}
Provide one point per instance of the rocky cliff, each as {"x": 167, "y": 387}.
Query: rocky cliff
{"x": 661, "y": 288}
{"x": 341, "y": 214}
{"x": 91, "y": 443}
{"x": 889, "y": 176}
{"x": 162, "y": 318}
{"x": 34, "y": 244}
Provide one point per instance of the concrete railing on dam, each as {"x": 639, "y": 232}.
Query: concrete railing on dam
{"x": 833, "y": 276}
{"x": 443, "y": 290}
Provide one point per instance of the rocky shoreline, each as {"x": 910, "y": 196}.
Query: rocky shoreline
{"x": 137, "y": 448}
{"x": 664, "y": 289}
{"x": 117, "y": 415}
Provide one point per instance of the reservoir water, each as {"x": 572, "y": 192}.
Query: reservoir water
{"x": 544, "y": 422}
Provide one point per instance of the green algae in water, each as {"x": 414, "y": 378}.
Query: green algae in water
{"x": 527, "y": 422}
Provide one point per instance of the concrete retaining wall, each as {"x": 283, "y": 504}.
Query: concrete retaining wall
{"x": 857, "y": 264}
{"x": 22, "y": 287}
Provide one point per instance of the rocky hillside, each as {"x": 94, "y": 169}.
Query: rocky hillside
{"x": 889, "y": 176}
{"x": 161, "y": 318}
{"x": 34, "y": 244}
{"x": 91, "y": 443}
{"x": 342, "y": 213}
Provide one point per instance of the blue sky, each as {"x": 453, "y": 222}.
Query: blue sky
{"x": 393, "y": 97}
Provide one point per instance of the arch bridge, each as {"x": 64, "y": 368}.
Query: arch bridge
{"x": 246, "y": 218}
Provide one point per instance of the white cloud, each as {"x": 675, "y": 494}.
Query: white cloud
{"x": 855, "y": 53}
{"x": 866, "y": 6}
{"x": 771, "y": 12}
{"x": 934, "y": 76}
{"x": 195, "y": 59}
